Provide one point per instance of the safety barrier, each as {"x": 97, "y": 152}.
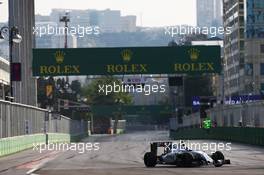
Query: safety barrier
{"x": 58, "y": 137}
{"x": 12, "y": 145}
{"x": 15, "y": 144}
{"x": 21, "y": 126}
{"x": 18, "y": 119}
{"x": 253, "y": 136}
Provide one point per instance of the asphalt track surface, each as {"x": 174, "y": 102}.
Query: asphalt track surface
{"x": 123, "y": 154}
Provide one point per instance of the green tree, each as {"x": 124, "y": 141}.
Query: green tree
{"x": 95, "y": 97}
{"x": 76, "y": 86}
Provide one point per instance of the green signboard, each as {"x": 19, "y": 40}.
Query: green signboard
{"x": 129, "y": 60}
{"x": 132, "y": 110}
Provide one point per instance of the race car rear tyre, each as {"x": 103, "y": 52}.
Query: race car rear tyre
{"x": 150, "y": 159}
{"x": 186, "y": 159}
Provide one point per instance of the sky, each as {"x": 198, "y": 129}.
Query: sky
{"x": 151, "y": 13}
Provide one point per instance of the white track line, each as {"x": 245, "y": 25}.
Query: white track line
{"x": 37, "y": 167}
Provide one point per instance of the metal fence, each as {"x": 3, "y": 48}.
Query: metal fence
{"x": 18, "y": 119}
{"x": 238, "y": 115}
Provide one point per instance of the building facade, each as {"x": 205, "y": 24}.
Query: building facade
{"x": 243, "y": 48}
{"x": 4, "y": 77}
{"x": 254, "y": 46}
{"x": 234, "y": 46}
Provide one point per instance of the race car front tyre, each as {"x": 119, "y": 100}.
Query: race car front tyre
{"x": 218, "y": 158}
{"x": 150, "y": 159}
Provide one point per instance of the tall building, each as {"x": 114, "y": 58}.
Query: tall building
{"x": 110, "y": 21}
{"x": 128, "y": 23}
{"x": 209, "y": 13}
{"x": 21, "y": 15}
{"x": 254, "y": 47}
{"x": 234, "y": 46}
{"x": 244, "y": 47}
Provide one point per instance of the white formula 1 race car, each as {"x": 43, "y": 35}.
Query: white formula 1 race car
{"x": 181, "y": 157}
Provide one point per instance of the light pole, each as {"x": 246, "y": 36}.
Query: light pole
{"x": 12, "y": 35}
{"x": 66, "y": 19}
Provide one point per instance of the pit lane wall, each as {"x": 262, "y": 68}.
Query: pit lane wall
{"x": 240, "y": 123}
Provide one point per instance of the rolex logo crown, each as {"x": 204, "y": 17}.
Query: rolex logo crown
{"x": 126, "y": 55}
{"x": 59, "y": 56}
{"x": 194, "y": 54}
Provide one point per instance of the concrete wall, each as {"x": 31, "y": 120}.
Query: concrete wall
{"x": 22, "y": 15}
{"x": 12, "y": 145}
